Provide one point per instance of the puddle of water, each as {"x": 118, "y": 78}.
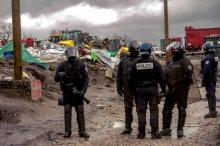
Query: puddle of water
{"x": 188, "y": 131}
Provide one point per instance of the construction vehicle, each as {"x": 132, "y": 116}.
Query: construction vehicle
{"x": 76, "y": 38}
{"x": 54, "y": 38}
{"x": 71, "y": 38}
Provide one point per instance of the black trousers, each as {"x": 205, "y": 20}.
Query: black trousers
{"x": 128, "y": 104}
{"x": 68, "y": 117}
{"x": 177, "y": 96}
{"x": 210, "y": 94}
{"x": 143, "y": 100}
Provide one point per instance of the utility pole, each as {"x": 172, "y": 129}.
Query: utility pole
{"x": 166, "y": 27}
{"x": 16, "y": 23}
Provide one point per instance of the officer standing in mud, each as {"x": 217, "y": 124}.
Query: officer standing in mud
{"x": 123, "y": 88}
{"x": 74, "y": 79}
{"x": 144, "y": 75}
{"x": 209, "y": 69}
{"x": 178, "y": 72}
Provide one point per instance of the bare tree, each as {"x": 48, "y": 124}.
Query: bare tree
{"x": 6, "y": 31}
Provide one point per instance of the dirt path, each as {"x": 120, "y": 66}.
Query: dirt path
{"x": 41, "y": 124}
{"x": 27, "y": 123}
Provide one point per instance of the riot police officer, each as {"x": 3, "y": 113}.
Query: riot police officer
{"x": 144, "y": 75}
{"x": 178, "y": 72}
{"x": 73, "y": 78}
{"x": 123, "y": 88}
{"x": 209, "y": 70}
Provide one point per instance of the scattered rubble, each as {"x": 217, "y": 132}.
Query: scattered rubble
{"x": 31, "y": 123}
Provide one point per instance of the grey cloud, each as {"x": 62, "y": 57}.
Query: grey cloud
{"x": 37, "y": 7}
{"x": 198, "y": 13}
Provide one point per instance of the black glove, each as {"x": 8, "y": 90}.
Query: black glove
{"x": 163, "y": 93}
{"x": 81, "y": 93}
{"x": 120, "y": 92}
{"x": 75, "y": 91}
{"x": 61, "y": 74}
{"x": 203, "y": 84}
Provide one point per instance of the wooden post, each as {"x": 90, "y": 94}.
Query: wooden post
{"x": 16, "y": 23}
{"x": 166, "y": 28}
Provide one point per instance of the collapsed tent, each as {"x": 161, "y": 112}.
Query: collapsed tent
{"x": 104, "y": 56}
{"x": 26, "y": 56}
{"x": 53, "y": 53}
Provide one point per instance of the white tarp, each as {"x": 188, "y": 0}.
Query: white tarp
{"x": 53, "y": 53}
{"x": 104, "y": 56}
{"x": 34, "y": 52}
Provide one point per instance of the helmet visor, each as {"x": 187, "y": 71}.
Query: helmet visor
{"x": 72, "y": 52}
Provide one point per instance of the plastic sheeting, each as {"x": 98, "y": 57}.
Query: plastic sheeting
{"x": 52, "y": 53}
{"x": 104, "y": 56}
{"x": 34, "y": 52}
{"x": 26, "y": 56}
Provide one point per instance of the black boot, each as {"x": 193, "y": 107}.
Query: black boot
{"x": 212, "y": 114}
{"x": 154, "y": 122}
{"x": 68, "y": 120}
{"x": 212, "y": 107}
{"x": 81, "y": 121}
{"x": 67, "y": 134}
{"x": 126, "y": 131}
{"x": 83, "y": 134}
{"x": 167, "y": 118}
{"x": 180, "y": 133}
{"x": 128, "y": 121}
{"x": 166, "y": 132}
{"x": 141, "y": 135}
{"x": 155, "y": 134}
{"x": 181, "y": 122}
{"x": 141, "y": 126}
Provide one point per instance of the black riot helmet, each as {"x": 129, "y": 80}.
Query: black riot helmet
{"x": 177, "y": 50}
{"x": 208, "y": 48}
{"x": 134, "y": 47}
{"x": 146, "y": 48}
{"x": 72, "y": 53}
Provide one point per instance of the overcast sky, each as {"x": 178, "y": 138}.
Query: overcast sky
{"x": 139, "y": 19}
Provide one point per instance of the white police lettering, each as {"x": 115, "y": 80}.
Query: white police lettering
{"x": 142, "y": 66}
{"x": 207, "y": 62}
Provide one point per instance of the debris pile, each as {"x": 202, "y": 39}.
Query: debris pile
{"x": 41, "y": 58}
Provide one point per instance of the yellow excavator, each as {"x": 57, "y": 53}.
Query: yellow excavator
{"x": 54, "y": 38}
{"x": 75, "y": 38}
{"x": 69, "y": 38}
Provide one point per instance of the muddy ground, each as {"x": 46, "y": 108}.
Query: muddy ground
{"x": 27, "y": 123}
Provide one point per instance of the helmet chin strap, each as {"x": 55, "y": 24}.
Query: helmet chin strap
{"x": 145, "y": 55}
{"x": 209, "y": 52}
{"x": 177, "y": 56}
{"x": 133, "y": 54}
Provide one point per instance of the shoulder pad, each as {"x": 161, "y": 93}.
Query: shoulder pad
{"x": 186, "y": 61}
{"x": 187, "y": 64}
{"x": 64, "y": 63}
{"x": 124, "y": 59}
{"x": 137, "y": 60}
